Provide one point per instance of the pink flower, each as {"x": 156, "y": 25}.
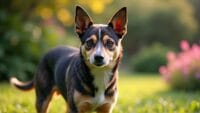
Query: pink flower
{"x": 183, "y": 65}
{"x": 184, "y": 45}
{"x": 163, "y": 70}
{"x": 171, "y": 56}
{"x": 177, "y": 65}
{"x": 196, "y": 51}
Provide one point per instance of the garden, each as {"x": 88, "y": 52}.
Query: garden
{"x": 160, "y": 70}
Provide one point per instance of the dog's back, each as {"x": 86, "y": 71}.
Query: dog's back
{"x": 59, "y": 55}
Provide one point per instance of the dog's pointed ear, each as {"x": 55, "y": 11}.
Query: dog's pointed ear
{"x": 119, "y": 22}
{"x": 82, "y": 21}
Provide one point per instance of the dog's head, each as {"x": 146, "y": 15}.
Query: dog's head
{"x": 101, "y": 43}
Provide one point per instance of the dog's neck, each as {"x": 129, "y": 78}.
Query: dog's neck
{"x": 102, "y": 79}
{"x": 105, "y": 82}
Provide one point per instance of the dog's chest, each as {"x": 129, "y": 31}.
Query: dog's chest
{"x": 101, "y": 80}
{"x": 90, "y": 103}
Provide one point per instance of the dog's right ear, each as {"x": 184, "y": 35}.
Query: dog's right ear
{"x": 82, "y": 21}
{"x": 119, "y": 22}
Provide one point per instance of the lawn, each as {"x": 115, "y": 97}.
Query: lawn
{"x": 137, "y": 94}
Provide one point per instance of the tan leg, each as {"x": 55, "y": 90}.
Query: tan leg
{"x": 42, "y": 104}
{"x": 84, "y": 108}
{"x": 106, "y": 108}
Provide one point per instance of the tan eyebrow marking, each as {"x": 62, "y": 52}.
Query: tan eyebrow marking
{"x": 93, "y": 37}
{"x": 106, "y": 37}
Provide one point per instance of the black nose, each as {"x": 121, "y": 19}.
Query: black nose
{"x": 98, "y": 59}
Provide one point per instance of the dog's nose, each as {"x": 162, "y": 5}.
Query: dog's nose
{"x": 98, "y": 59}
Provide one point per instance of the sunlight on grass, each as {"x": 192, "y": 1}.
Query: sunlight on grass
{"x": 137, "y": 94}
{"x": 134, "y": 88}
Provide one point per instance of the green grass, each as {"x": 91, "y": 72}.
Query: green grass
{"x": 137, "y": 94}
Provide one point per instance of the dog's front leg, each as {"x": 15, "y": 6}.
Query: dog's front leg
{"x": 106, "y": 108}
{"x": 84, "y": 107}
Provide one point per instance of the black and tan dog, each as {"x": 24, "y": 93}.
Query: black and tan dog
{"x": 85, "y": 77}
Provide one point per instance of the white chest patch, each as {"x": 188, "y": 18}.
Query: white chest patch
{"x": 101, "y": 79}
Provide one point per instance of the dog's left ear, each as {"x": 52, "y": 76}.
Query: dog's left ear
{"x": 82, "y": 21}
{"x": 119, "y": 22}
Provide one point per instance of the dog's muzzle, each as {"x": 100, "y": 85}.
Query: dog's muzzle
{"x": 98, "y": 60}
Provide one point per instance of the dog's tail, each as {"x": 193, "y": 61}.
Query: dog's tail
{"x": 25, "y": 86}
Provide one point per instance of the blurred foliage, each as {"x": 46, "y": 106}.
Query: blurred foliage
{"x": 196, "y": 6}
{"x": 164, "y": 21}
{"x": 28, "y": 28}
{"x": 27, "y": 31}
{"x": 149, "y": 59}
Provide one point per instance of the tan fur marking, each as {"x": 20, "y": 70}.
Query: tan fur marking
{"x": 82, "y": 102}
{"x": 46, "y": 103}
{"x": 105, "y": 108}
{"x": 112, "y": 99}
{"x": 108, "y": 53}
{"x": 106, "y": 38}
{"x": 83, "y": 108}
{"x": 83, "y": 50}
{"x": 87, "y": 53}
{"x": 55, "y": 91}
{"x": 93, "y": 37}
{"x": 108, "y": 107}
{"x": 85, "y": 103}
{"x": 114, "y": 54}
{"x": 86, "y": 88}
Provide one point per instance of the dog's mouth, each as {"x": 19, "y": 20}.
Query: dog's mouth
{"x": 99, "y": 64}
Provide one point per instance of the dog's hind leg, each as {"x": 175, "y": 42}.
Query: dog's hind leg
{"x": 44, "y": 84}
{"x": 42, "y": 103}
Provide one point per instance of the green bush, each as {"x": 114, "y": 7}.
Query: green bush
{"x": 149, "y": 59}
{"x": 16, "y": 57}
{"x": 22, "y": 46}
{"x": 23, "y": 41}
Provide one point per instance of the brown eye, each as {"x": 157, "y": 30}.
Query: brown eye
{"x": 89, "y": 44}
{"x": 110, "y": 44}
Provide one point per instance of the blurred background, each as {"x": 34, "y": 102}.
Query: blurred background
{"x": 29, "y": 28}
{"x": 163, "y": 43}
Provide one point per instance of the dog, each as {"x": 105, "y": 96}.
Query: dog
{"x": 85, "y": 77}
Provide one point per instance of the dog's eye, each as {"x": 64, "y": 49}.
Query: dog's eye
{"x": 110, "y": 44}
{"x": 89, "y": 44}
